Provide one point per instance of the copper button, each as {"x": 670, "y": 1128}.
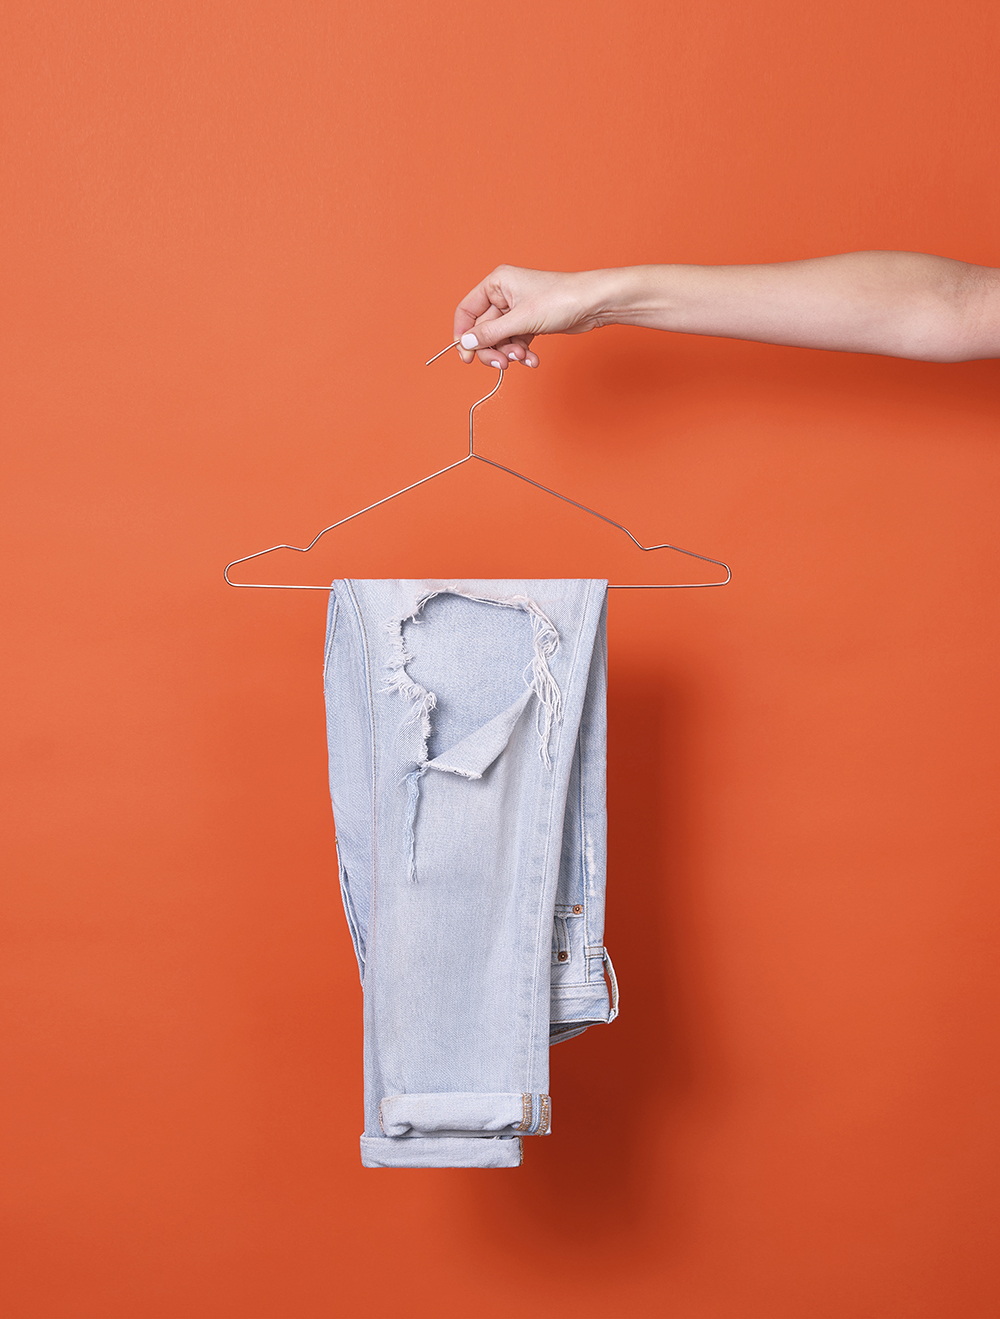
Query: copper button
{"x": 577, "y": 909}
{"x": 564, "y": 957}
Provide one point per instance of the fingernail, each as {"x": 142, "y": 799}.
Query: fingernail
{"x": 512, "y": 356}
{"x": 527, "y": 363}
{"x": 469, "y": 341}
{"x": 496, "y": 363}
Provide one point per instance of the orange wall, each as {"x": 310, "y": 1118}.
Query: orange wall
{"x": 234, "y": 231}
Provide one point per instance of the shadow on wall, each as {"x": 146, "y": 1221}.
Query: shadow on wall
{"x": 615, "y": 1088}
{"x": 631, "y": 384}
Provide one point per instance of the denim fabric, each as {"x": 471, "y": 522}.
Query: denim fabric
{"x": 467, "y": 735}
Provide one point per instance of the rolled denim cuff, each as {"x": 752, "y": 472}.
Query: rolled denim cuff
{"x": 587, "y": 1004}
{"x": 461, "y": 1113}
{"x": 440, "y": 1152}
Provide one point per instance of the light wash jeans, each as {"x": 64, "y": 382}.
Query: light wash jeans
{"x": 467, "y": 735}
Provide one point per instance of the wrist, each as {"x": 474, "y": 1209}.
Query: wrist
{"x": 629, "y": 295}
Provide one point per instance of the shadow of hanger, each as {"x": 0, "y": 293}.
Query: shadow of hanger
{"x": 478, "y": 457}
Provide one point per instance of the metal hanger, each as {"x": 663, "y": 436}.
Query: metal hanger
{"x": 618, "y": 586}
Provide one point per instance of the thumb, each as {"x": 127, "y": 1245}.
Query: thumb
{"x": 490, "y": 332}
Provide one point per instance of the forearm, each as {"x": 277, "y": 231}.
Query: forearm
{"x": 903, "y": 304}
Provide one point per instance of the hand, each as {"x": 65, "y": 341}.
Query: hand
{"x": 512, "y": 305}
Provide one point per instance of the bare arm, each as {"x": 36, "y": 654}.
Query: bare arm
{"x": 901, "y": 304}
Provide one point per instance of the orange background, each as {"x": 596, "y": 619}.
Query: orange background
{"x": 232, "y": 234}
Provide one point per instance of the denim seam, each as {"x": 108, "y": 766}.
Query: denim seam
{"x": 543, "y": 1120}
{"x": 584, "y": 870}
{"x": 527, "y": 1107}
{"x": 560, "y": 940}
{"x": 534, "y": 1043}
{"x": 349, "y": 911}
{"x": 535, "y": 996}
{"x": 373, "y": 907}
{"x": 527, "y": 1125}
{"x": 601, "y": 644}
{"x": 331, "y": 629}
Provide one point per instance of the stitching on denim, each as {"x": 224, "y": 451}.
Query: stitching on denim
{"x": 331, "y": 629}
{"x": 534, "y": 1030}
{"x": 586, "y": 850}
{"x": 373, "y": 902}
{"x": 561, "y": 941}
{"x": 543, "y": 1122}
{"x": 527, "y": 1106}
{"x": 352, "y": 916}
{"x": 585, "y": 858}
{"x": 380, "y": 1122}
{"x": 360, "y": 946}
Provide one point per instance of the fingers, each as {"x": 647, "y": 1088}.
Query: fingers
{"x": 510, "y": 352}
{"x": 474, "y": 307}
{"x": 494, "y": 323}
{"x": 516, "y": 347}
{"x": 483, "y": 332}
{"x": 501, "y": 356}
{"x": 513, "y": 353}
{"x": 487, "y": 331}
{"x": 495, "y": 341}
{"x": 528, "y": 357}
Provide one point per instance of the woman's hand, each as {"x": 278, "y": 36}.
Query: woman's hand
{"x": 497, "y": 321}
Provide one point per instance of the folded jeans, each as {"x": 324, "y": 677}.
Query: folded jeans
{"x": 467, "y": 745}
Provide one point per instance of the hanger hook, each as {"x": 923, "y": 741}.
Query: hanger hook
{"x": 472, "y": 446}
{"x": 499, "y": 371}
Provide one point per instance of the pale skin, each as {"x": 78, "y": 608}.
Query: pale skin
{"x": 898, "y": 304}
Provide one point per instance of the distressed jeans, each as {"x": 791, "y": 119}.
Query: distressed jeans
{"x": 467, "y": 737}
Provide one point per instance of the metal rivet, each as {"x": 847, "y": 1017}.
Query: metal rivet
{"x": 577, "y": 909}
{"x": 564, "y": 957}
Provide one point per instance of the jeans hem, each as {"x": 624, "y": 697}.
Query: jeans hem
{"x": 440, "y": 1152}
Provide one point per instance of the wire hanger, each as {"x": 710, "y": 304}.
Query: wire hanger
{"x": 619, "y": 586}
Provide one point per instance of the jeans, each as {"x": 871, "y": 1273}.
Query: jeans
{"x": 467, "y": 736}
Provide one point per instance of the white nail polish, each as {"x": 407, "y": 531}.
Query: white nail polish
{"x": 512, "y": 356}
{"x": 496, "y": 363}
{"x": 469, "y": 340}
